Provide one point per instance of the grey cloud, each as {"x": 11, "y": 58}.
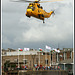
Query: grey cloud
{"x": 21, "y": 31}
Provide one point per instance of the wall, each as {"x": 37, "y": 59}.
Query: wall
{"x": 39, "y": 73}
{"x": 29, "y": 58}
{"x": 44, "y": 73}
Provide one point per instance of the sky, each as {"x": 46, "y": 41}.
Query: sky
{"x": 19, "y": 31}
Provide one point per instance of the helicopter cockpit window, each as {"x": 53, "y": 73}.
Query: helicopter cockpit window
{"x": 31, "y": 7}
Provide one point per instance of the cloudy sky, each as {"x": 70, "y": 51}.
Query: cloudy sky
{"x": 19, "y": 31}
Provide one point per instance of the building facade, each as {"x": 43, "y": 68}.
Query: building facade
{"x": 65, "y": 60}
{"x": 28, "y": 58}
{"x": 15, "y": 58}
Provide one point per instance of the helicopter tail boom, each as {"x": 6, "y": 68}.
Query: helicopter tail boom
{"x": 51, "y": 12}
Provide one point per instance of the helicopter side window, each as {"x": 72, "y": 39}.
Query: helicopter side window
{"x": 39, "y": 6}
{"x": 33, "y": 8}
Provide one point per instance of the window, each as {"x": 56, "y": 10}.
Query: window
{"x": 46, "y": 61}
{"x": 48, "y": 53}
{"x": 51, "y": 57}
{"x": 4, "y": 53}
{"x": 65, "y": 55}
{"x": 25, "y": 61}
{"x": 43, "y": 53}
{"x": 68, "y": 49}
{"x": 15, "y": 60}
{"x": 68, "y": 67}
{"x": 30, "y": 7}
{"x": 7, "y": 63}
{"x": 70, "y": 55}
{"x": 56, "y": 57}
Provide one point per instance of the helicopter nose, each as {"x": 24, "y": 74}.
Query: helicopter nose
{"x": 29, "y": 10}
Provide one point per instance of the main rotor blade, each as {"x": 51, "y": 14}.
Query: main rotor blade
{"x": 34, "y": 1}
{"x": 22, "y": 1}
{"x": 49, "y": 1}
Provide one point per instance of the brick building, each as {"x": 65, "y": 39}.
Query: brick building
{"x": 33, "y": 57}
{"x": 29, "y": 58}
{"x": 66, "y": 59}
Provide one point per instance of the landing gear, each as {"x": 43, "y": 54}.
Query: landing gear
{"x": 28, "y": 16}
{"x": 43, "y": 21}
{"x": 42, "y": 15}
{"x": 38, "y": 15}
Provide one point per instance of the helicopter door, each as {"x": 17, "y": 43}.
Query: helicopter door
{"x": 40, "y": 15}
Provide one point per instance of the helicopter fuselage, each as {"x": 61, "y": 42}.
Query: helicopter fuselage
{"x": 35, "y": 10}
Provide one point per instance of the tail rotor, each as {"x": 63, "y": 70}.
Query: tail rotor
{"x": 53, "y": 12}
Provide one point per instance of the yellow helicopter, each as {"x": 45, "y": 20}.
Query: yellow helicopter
{"x": 34, "y": 9}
